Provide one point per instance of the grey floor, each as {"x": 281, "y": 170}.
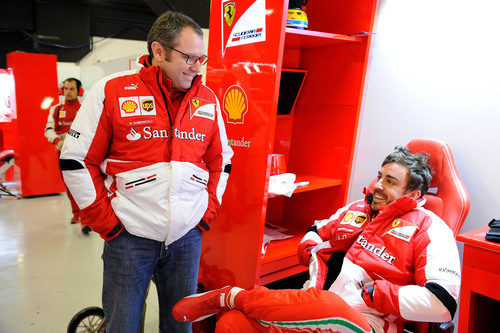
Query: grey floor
{"x": 49, "y": 270}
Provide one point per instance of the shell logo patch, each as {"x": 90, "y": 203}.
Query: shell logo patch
{"x": 401, "y": 229}
{"x": 229, "y": 10}
{"x": 235, "y": 104}
{"x": 201, "y": 108}
{"x": 354, "y": 218}
{"x": 62, "y": 114}
{"x": 348, "y": 217}
{"x": 129, "y": 106}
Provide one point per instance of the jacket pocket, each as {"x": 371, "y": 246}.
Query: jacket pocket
{"x": 193, "y": 195}
{"x": 141, "y": 202}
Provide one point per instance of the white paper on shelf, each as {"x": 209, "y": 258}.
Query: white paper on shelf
{"x": 272, "y": 232}
{"x": 282, "y": 184}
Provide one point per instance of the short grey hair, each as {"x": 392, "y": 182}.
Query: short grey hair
{"x": 167, "y": 29}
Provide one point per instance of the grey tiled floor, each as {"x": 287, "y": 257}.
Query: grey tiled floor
{"x": 49, "y": 270}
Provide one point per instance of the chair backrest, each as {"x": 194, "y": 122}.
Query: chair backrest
{"x": 447, "y": 197}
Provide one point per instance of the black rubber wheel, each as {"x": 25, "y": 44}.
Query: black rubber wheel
{"x": 88, "y": 320}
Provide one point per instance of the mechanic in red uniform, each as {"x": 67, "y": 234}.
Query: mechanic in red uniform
{"x": 147, "y": 161}
{"x": 374, "y": 264}
{"x": 60, "y": 118}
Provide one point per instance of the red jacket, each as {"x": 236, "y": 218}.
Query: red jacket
{"x": 60, "y": 118}
{"x": 407, "y": 252}
{"x": 127, "y": 162}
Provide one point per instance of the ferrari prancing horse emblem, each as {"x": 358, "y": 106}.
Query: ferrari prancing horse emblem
{"x": 229, "y": 10}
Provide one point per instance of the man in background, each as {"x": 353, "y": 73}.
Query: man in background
{"x": 59, "y": 121}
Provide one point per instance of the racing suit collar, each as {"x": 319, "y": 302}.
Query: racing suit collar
{"x": 72, "y": 102}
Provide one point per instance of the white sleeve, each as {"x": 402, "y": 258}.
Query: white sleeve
{"x": 50, "y": 132}
{"x": 437, "y": 275}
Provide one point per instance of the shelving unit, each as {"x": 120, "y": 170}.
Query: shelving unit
{"x": 317, "y": 137}
{"x": 306, "y": 39}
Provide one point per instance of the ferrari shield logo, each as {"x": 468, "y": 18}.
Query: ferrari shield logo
{"x": 196, "y": 102}
{"x": 229, "y": 10}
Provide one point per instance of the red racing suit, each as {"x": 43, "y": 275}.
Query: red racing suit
{"x": 130, "y": 163}
{"x": 60, "y": 118}
{"x": 407, "y": 253}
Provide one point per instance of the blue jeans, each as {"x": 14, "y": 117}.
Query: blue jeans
{"x": 130, "y": 262}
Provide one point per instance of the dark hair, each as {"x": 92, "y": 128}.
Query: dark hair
{"x": 167, "y": 29}
{"x": 78, "y": 82}
{"x": 419, "y": 171}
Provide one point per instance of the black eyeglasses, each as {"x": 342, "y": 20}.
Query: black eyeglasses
{"x": 192, "y": 59}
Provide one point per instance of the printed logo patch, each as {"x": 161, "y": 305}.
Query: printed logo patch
{"x": 137, "y": 106}
{"x": 201, "y": 108}
{"x": 245, "y": 27}
{"x": 354, "y": 218}
{"x": 147, "y": 105}
{"x": 229, "y": 10}
{"x": 401, "y": 229}
{"x": 348, "y": 217}
{"x": 129, "y": 106}
{"x": 360, "y": 219}
{"x": 62, "y": 114}
{"x": 133, "y": 135}
{"x": 235, "y": 104}
{"x": 74, "y": 133}
{"x": 132, "y": 86}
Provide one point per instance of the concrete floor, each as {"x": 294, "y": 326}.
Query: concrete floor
{"x": 49, "y": 270}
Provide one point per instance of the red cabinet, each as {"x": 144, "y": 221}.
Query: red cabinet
{"x": 37, "y": 162}
{"x": 479, "y": 293}
{"x": 249, "y": 48}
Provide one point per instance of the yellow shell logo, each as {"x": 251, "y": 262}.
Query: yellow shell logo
{"x": 235, "y": 104}
{"x": 129, "y": 106}
{"x": 348, "y": 216}
{"x": 395, "y": 223}
{"x": 147, "y": 105}
{"x": 195, "y": 102}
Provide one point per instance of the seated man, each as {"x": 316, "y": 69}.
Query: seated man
{"x": 373, "y": 265}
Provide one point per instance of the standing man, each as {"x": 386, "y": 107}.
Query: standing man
{"x": 60, "y": 118}
{"x": 147, "y": 161}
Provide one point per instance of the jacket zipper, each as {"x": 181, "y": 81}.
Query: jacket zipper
{"x": 166, "y": 106}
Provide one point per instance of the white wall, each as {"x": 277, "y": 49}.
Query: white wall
{"x": 108, "y": 56}
{"x": 434, "y": 71}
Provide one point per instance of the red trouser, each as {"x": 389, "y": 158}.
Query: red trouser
{"x": 291, "y": 310}
{"x": 74, "y": 207}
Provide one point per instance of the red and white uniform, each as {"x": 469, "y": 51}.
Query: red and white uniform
{"x": 144, "y": 156}
{"x": 407, "y": 252}
{"x": 60, "y": 118}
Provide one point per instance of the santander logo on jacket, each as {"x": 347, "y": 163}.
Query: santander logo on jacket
{"x": 165, "y": 161}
